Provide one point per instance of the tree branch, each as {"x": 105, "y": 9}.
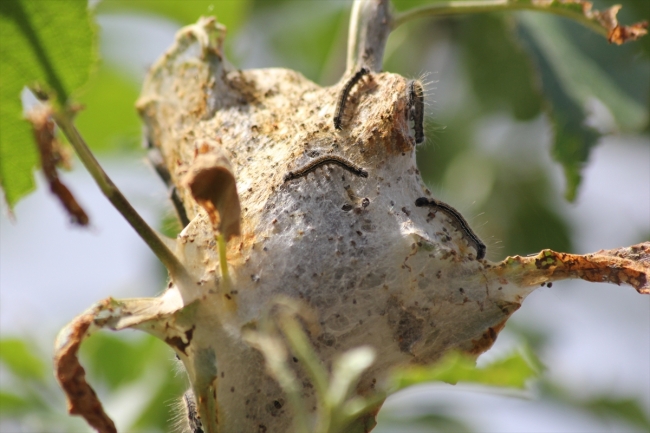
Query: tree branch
{"x": 371, "y": 22}
{"x": 367, "y": 35}
{"x": 625, "y": 265}
{"x": 604, "y": 23}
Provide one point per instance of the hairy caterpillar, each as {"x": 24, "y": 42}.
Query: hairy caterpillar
{"x": 324, "y": 160}
{"x": 187, "y": 419}
{"x": 458, "y": 221}
{"x": 343, "y": 97}
{"x": 416, "y": 108}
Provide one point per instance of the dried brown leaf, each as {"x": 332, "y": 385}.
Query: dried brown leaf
{"x": 621, "y": 34}
{"x": 626, "y": 265}
{"x": 607, "y": 19}
{"x": 213, "y": 186}
{"x": 617, "y": 34}
{"x": 50, "y": 151}
{"x": 82, "y": 399}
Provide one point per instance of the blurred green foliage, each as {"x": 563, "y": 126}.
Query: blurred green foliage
{"x": 500, "y": 72}
{"x": 108, "y": 121}
{"x": 326, "y": 31}
{"x": 35, "y": 51}
{"x": 432, "y": 422}
{"x": 139, "y": 370}
{"x": 512, "y": 371}
{"x": 20, "y": 359}
{"x": 231, "y": 13}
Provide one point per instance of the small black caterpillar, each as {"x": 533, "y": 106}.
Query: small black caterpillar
{"x": 343, "y": 97}
{"x": 324, "y": 160}
{"x": 416, "y": 108}
{"x": 458, "y": 221}
{"x": 193, "y": 419}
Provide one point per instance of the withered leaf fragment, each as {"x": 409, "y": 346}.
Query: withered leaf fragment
{"x": 616, "y": 34}
{"x": 212, "y": 184}
{"x": 48, "y": 145}
{"x": 82, "y": 399}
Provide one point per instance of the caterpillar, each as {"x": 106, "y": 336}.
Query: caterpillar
{"x": 458, "y": 221}
{"x": 416, "y": 109}
{"x": 192, "y": 414}
{"x": 343, "y": 97}
{"x": 324, "y": 160}
{"x": 186, "y": 418}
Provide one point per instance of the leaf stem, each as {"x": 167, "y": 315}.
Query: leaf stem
{"x": 117, "y": 199}
{"x": 223, "y": 259}
{"x": 482, "y": 6}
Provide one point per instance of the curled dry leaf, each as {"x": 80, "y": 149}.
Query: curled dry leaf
{"x": 621, "y": 34}
{"x": 51, "y": 154}
{"x": 213, "y": 186}
{"x": 627, "y": 265}
{"x": 155, "y": 315}
{"x": 616, "y": 34}
{"x": 82, "y": 399}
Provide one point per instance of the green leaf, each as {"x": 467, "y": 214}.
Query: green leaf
{"x": 47, "y": 43}
{"x": 230, "y": 13}
{"x": 109, "y": 120}
{"x": 499, "y": 69}
{"x": 51, "y": 43}
{"x": 433, "y": 422}
{"x": 21, "y": 359}
{"x": 12, "y": 405}
{"x": 573, "y": 139}
{"x": 320, "y": 33}
{"x": 18, "y": 155}
{"x": 402, "y": 5}
{"x": 170, "y": 226}
{"x": 570, "y": 81}
{"x": 162, "y": 412}
{"x": 118, "y": 361}
{"x": 627, "y": 409}
{"x": 442, "y": 423}
{"x": 455, "y": 367}
{"x": 579, "y": 76}
{"x": 535, "y": 224}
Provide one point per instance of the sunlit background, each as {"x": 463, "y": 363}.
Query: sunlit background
{"x": 488, "y": 153}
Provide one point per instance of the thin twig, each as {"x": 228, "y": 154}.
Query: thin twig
{"x": 368, "y": 31}
{"x": 117, "y": 199}
{"x": 482, "y": 6}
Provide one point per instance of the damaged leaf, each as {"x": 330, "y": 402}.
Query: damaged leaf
{"x": 213, "y": 186}
{"x": 606, "y": 19}
{"x": 48, "y": 145}
{"x": 111, "y": 314}
{"x": 571, "y": 82}
{"x": 82, "y": 399}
